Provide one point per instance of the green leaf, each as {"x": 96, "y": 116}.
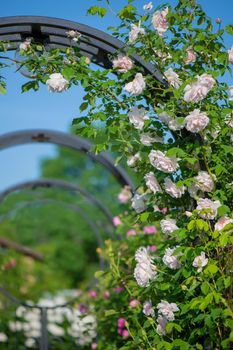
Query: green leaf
{"x": 30, "y": 85}
{"x": 205, "y": 288}
{"x": 97, "y": 10}
{"x": 110, "y": 313}
{"x": 229, "y": 29}
{"x": 211, "y": 269}
{"x": 2, "y": 90}
{"x": 68, "y": 73}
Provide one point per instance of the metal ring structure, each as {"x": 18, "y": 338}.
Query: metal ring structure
{"x": 54, "y": 183}
{"x": 73, "y": 207}
{"x": 93, "y": 43}
{"x": 67, "y": 140}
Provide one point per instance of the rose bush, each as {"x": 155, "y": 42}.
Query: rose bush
{"x": 171, "y": 289}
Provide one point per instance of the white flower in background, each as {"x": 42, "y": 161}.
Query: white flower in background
{"x": 173, "y": 190}
{"x": 231, "y": 93}
{"x": 138, "y": 203}
{"x": 230, "y": 55}
{"x": 148, "y": 7}
{"x": 164, "y": 117}
{"x": 196, "y": 121}
{"x": 122, "y": 63}
{"x": 144, "y": 271}
{"x": 198, "y": 90}
{"x": 200, "y": 261}
{"x": 168, "y": 225}
{"x": 125, "y": 195}
{"x": 229, "y": 120}
{"x": 137, "y": 86}
{"x": 172, "y": 78}
{"x": 30, "y": 343}
{"x": 137, "y": 116}
{"x": 131, "y": 161}
{"x": 204, "y": 181}
{"x": 163, "y": 163}
{"x": 160, "y": 22}
{"x": 176, "y": 124}
{"x": 210, "y": 207}
{"x": 55, "y": 330}
{"x": 148, "y": 309}
{"x": 152, "y": 183}
{"x": 167, "y": 310}
{"x": 147, "y": 140}
{"x": 57, "y": 83}
{"x": 222, "y": 222}
{"x": 191, "y": 56}
{"x": 3, "y": 337}
{"x": 161, "y": 327}
{"x": 24, "y": 46}
{"x": 135, "y": 32}
{"x": 171, "y": 260}
{"x": 73, "y": 35}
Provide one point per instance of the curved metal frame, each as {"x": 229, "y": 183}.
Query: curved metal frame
{"x": 73, "y": 207}
{"x": 54, "y": 183}
{"x": 70, "y": 141}
{"x": 53, "y": 31}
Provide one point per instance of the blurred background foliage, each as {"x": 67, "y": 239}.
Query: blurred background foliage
{"x": 42, "y": 220}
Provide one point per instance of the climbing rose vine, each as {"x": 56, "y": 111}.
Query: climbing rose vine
{"x": 168, "y": 284}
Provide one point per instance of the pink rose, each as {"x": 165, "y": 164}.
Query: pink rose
{"x": 134, "y": 303}
{"x": 106, "y": 294}
{"x": 116, "y": 221}
{"x": 92, "y": 294}
{"x": 121, "y": 322}
{"x": 125, "y": 333}
{"x": 222, "y": 222}
{"x": 191, "y": 56}
{"x": 149, "y": 230}
{"x": 131, "y": 232}
{"x": 152, "y": 248}
{"x": 125, "y": 195}
{"x": 94, "y": 345}
{"x": 123, "y": 64}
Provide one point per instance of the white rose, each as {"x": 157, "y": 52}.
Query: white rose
{"x": 209, "y": 206}
{"x": 125, "y": 195}
{"x": 57, "y": 83}
{"x": 163, "y": 163}
{"x": 204, "y": 181}
{"x": 24, "y": 46}
{"x": 131, "y": 162}
{"x": 137, "y": 117}
{"x": 176, "y": 124}
{"x": 196, "y": 121}
{"x": 168, "y": 225}
{"x": 170, "y": 260}
{"x": 152, "y": 183}
{"x": 161, "y": 327}
{"x": 122, "y": 63}
{"x": 206, "y": 80}
{"x": 230, "y": 55}
{"x": 200, "y": 261}
{"x": 172, "y": 78}
{"x": 137, "y": 86}
{"x": 74, "y": 35}
{"x": 144, "y": 271}
{"x": 173, "y": 190}
{"x": 138, "y": 203}
{"x": 164, "y": 117}
{"x": 160, "y": 22}
{"x": 147, "y": 140}
{"x": 167, "y": 309}
{"x": 231, "y": 93}
{"x": 198, "y": 90}
{"x": 3, "y": 337}
{"x": 135, "y": 32}
{"x": 148, "y": 308}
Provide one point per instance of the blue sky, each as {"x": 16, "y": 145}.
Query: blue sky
{"x": 52, "y": 111}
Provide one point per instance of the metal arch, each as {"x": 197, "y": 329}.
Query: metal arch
{"x": 54, "y": 183}
{"x": 67, "y": 140}
{"x": 73, "y": 207}
{"x": 52, "y": 31}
